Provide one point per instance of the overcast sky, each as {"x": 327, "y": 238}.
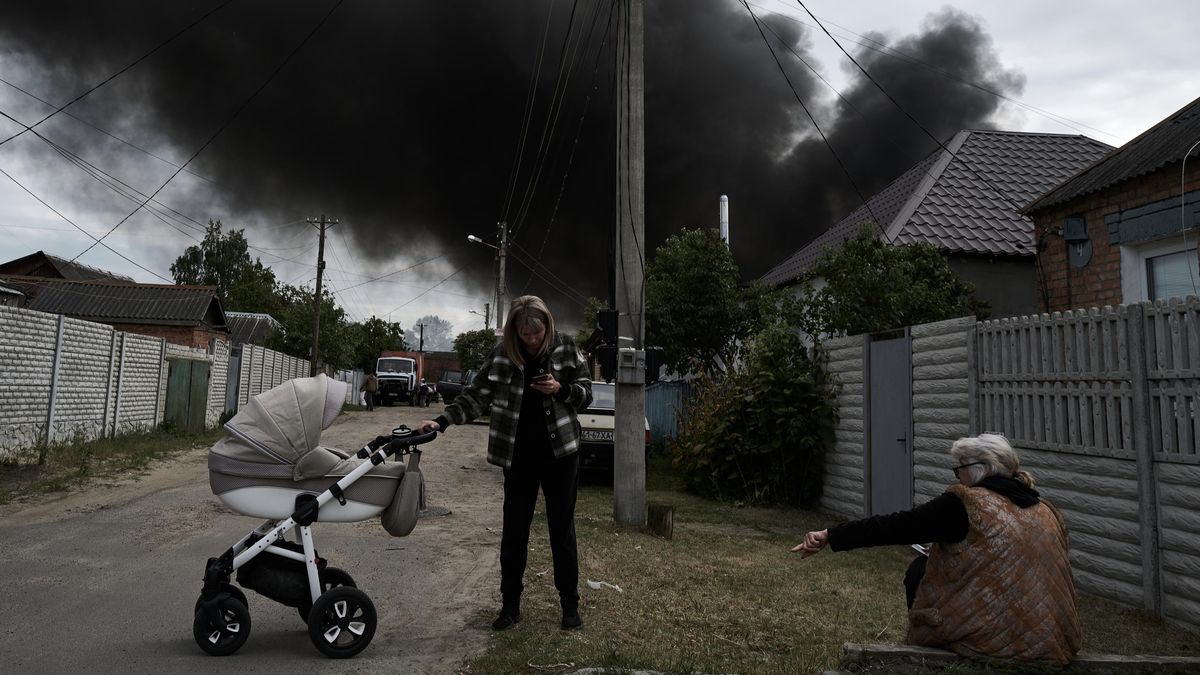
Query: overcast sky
{"x": 404, "y": 122}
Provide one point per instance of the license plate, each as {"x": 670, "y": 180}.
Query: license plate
{"x": 589, "y": 435}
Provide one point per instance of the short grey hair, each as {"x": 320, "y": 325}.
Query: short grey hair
{"x": 996, "y": 454}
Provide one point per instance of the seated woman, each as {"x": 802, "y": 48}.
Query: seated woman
{"x": 997, "y": 581}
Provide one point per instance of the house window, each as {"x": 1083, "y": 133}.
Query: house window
{"x": 1159, "y": 269}
{"x": 1174, "y": 275}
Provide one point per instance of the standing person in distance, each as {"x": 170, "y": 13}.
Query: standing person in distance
{"x": 370, "y": 386}
{"x": 534, "y": 384}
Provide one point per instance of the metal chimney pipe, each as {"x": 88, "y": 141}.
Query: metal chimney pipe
{"x": 725, "y": 219}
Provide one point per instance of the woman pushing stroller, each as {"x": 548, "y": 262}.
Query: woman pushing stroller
{"x": 534, "y": 384}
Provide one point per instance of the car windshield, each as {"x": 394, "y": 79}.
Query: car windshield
{"x": 451, "y": 376}
{"x": 395, "y": 366}
{"x": 603, "y": 397}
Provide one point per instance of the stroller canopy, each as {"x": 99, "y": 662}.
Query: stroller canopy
{"x": 285, "y": 423}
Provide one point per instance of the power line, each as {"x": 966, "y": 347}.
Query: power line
{"x": 413, "y": 299}
{"x": 227, "y": 122}
{"x": 121, "y": 71}
{"x": 530, "y": 99}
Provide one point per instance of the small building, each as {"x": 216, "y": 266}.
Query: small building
{"x": 966, "y": 200}
{"x": 1124, "y": 230}
{"x": 190, "y": 316}
{"x": 44, "y": 265}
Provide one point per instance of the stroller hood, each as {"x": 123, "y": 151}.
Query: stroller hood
{"x": 286, "y": 422}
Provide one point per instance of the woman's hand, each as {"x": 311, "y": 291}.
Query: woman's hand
{"x": 548, "y": 386}
{"x": 813, "y": 543}
{"x": 426, "y": 426}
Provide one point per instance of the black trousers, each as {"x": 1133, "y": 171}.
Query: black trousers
{"x": 558, "y": 479}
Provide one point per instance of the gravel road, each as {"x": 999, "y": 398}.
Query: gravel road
{"x": 104, "y": 580}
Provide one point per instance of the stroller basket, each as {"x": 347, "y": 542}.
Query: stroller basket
{"x": 281, "y": 579}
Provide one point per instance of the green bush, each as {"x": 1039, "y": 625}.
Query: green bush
{"x": 759, "y": 435}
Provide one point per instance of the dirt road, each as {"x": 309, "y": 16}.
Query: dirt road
{"x": 105, "y": 579}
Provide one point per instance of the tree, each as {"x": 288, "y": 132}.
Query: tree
{"x": 373, "y": 336}
{"x": 694, "y": 304}
{"x": 223, "y": 260}
{"x": 588, "y": 325}
{"x": 872, "y": 286}
{"x": 438, "y": 334}
{"x": 295, "y": 313}
{"x": 474, "y": 346}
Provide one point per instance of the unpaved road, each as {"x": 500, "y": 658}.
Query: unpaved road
{"x": 104, "y": 580}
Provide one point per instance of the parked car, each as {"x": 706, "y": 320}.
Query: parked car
{"x": 452, "y": 383}
{"x": 596, "y": 427}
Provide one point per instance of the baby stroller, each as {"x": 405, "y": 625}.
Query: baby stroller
{"x": 269, "y": 465}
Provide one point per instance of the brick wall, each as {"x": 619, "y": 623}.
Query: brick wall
{"x": 196, "y": 337}
{"x": 1099, "y": 282}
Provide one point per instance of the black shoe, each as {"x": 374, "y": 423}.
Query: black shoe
{"x": 571, "y": 620}
{"x": 508, "y": 618}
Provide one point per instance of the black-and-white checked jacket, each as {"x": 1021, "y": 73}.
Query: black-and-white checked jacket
{"x": 499, "y": 386}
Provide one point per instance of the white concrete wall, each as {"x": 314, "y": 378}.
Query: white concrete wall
{"x": 843, "y": 490}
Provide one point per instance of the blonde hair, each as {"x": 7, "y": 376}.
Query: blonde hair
{"x": 531, "y": 311}
{"x": 997, "y": 456}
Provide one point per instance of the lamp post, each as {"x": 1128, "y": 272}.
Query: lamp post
{"x": 501, "y": 254}
{"x": 486, "y": 314}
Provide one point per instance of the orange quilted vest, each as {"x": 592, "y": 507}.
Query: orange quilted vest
{"x": 1006, "y": 590}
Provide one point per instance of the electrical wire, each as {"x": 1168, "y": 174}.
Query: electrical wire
{"x": 527, "y": 118}
{"x": 117, "y": 74}
{"x": 227, "y": 122}
{"x": 414, "y": 298}
{"x": 824, "y": 139}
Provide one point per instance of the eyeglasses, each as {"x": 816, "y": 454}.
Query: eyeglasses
{"x": 963, "y": 466}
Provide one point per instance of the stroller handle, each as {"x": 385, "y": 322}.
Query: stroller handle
{"x": 403, "y": 437}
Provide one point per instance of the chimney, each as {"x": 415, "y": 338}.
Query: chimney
{"x": 725, "y": 219}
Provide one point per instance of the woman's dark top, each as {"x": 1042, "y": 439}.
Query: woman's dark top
{"x": 943, "y": 518}
{"x": 532, "y": 435}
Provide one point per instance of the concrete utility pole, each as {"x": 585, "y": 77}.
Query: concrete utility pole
{"x": 501, "y": 279}
{"x": 629, "y": 462}
{"x": 316, "y": 336}
{"x": 421, "y": 344}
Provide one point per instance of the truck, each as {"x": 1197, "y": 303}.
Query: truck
{"x": 399, "y": 377}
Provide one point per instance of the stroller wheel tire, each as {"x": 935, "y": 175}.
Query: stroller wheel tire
{"x": 332, "y": 577}
{"x": 342, "y": 622}
{"x": 225, "y": 633}
{"x": 233, "y": 591}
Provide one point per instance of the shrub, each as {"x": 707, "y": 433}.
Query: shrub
{"x": 759, "y": 435}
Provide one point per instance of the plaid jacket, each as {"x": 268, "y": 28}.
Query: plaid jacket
{"x": 499, "y": 386}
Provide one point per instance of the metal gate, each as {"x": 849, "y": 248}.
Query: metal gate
{"x": 889, "y": 448}
{"x": 187, "y": 394}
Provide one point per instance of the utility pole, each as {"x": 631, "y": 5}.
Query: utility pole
{"x": 421, "y": 344}
{"x": 487, "y": 314}
{"x": 316, "y": 336}
{"x": 629, "y": 462}
{"x": 501, "y": 281}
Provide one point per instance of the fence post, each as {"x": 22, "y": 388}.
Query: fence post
{"x": 158, "y": 394}
{"x": 54, "y": 379}
{"x": 108, "y": 392}
{"x": 120, "y": 381}
{"x": 1147, "y": 483}
{"x": 972, "y": 381}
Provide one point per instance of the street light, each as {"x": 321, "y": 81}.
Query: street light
{"x": 486, "y": 318}
{"x": 501, "y": 253}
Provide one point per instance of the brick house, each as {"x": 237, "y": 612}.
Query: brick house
{"x": 44, "y": 265}
{"x": 965, "y": 200}
{"x": 1124, "y": 230}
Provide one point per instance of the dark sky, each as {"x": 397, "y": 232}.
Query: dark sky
{"x": 403, "y": 119}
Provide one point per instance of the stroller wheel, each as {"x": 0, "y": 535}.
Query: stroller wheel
{"x": 225, "y": 632}
{"x": 342, "y": 622}
{"x": 332, "y": 577}
{"x": 233, "y": 591}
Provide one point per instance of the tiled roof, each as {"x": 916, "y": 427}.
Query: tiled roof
{"x": 1164, "y": 143}
{"x": 950, "y": 200}
{"x": 111, "y": 302}
{"x": 250, "y": 327}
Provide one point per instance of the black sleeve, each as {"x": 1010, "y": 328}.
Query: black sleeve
{"x": 943, "y": 519}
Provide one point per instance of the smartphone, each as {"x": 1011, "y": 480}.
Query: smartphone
{"x": 544, "y": 377}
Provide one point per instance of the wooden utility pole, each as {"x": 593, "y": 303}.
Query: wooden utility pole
{"x": 314, "y": 365}
{"x": 629, "y": 462}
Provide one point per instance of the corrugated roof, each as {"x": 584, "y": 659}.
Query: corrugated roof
{"x": 948, "y": 200}
{"x": 1164, "y": 143}
{"x": 250, "y": 327}
{"x": 42, "y": 264}
{"x": 111, "y": 302}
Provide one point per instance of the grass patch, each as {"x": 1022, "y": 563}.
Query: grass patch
{"x": 726, "y": 596}
{"x": 65, "y": 466}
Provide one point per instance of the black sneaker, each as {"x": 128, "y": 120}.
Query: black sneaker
{"x": 508, "y": 619}
{"x": 571, "y": 620}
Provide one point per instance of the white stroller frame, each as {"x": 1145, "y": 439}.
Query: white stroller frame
{"x": 341, "y": 619}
